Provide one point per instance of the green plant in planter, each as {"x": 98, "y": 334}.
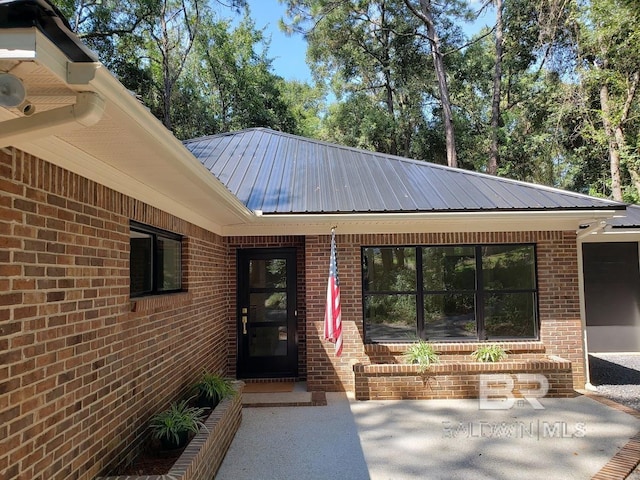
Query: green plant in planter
{"x": 489, "y": 353}
{"x": 212, "y": 388}
{"x": 173, "y": 426}
{"x": 422, "y": 353}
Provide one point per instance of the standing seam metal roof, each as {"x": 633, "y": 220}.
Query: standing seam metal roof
{"x": 280, "y": 173}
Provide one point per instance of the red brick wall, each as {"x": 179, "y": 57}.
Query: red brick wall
{"x": 458, "y": 380}
{"x": 559, "y": 303}
{"x": 81, "y": 366}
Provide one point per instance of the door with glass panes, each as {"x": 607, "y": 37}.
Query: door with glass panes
{"x": 267, "y": 341}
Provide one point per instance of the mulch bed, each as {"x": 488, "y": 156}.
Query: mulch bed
{"x": 153, "y": 460}
{"x": 152, "y": 463}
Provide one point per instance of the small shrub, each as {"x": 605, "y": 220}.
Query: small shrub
{"x": 489, "y": 353}
{"x": 212, "y": 388}
{"x": 423, "y": 354}
{"x": 173, "y": 426}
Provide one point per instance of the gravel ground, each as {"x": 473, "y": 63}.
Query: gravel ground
{"x": 617, "y": 377}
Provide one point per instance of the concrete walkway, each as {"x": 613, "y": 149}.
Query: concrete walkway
{"x": 431, "y": 439}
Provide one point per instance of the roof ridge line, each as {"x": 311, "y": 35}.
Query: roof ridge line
{"x": 226, "y": 134}
{"x": 422, "y": 163}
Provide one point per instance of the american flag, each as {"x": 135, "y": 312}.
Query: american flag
{"x": 332, "y": 314}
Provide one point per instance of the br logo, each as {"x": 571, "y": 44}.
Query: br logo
{"x": 497, "y": 390}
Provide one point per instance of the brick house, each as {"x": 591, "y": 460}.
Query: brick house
{"x": 130, "y": 261}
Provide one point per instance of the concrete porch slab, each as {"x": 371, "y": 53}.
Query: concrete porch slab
{"x": 571, "y": 438}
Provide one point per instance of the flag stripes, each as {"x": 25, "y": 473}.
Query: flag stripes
{"x": 333, "y": 311}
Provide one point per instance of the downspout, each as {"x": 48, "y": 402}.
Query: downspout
{"x": 87, "y": 111}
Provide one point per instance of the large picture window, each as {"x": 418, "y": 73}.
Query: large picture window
{"x": 468, "y": 292}
{"x": 155, "y": 261}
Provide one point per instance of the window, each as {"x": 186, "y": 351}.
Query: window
{"x": 469, "y": 292}
{"x": 155, "y": 261}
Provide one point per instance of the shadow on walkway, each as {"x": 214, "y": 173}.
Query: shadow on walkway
{"x": 426, "y": 439}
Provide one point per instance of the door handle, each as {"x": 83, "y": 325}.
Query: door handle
{"x": 244, "y": 324}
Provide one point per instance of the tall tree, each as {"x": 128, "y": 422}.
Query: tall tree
{"x": 366, "y": 50}
{"x": 234, "y": 72}
{"x": 172, "y": 36}
{"x": 609, "y": 30}
{"x": 427, "y": 12}
{"x": 146, "y": 41}
{"x": 494, "y": 154}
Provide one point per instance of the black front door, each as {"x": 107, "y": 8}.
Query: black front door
{"x": 267, "y": 340}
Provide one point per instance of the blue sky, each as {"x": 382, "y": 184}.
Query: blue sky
{"x": 288, "y": 52}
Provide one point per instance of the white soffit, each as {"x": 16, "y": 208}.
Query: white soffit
{"x": 389, "y": 223}
{"x": 128, "y": 150}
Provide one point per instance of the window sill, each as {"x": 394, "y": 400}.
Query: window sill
{"x": 160, "y": 302}
{"x": 513, "y": 346}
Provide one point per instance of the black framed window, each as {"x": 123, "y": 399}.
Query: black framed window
{"x": 155, "y": 261}
{"x": 450, "y": 292}
{"x": 390, "y": 284}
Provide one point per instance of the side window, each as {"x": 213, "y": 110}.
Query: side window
{"x": 155, "y": 261}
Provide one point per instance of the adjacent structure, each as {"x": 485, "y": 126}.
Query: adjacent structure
{"x": 130, "y": 261}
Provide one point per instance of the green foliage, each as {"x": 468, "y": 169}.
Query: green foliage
{"x": 489, "y": 353}
{"x": 375, "y": 58}
{"x": 423, "y": 354}
{"x": 173, "y": 424}
{"x": 196, "y": 72}
{"x": 202, "y": 73}
{"x": 214, "y": 387}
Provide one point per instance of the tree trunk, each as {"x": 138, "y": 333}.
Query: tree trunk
{"x": 166, "y": 70}
{"x": 494, "y": 155}
{"x": 614, "y": 148}
{"x": 635, "y": 178}
{"x": 388, "y": 82}
{"x": 426, "y": 15}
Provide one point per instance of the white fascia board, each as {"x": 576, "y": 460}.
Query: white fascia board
{"x": 18, "y": 44}
{"x": 153, "y": 131}
{"x": 70, "y": 158}
{"x": 613, "y": 235}
{"x": 418, "y": 222}
{"x": 31, "y": 45}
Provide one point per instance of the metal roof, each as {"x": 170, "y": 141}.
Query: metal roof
{"x": 279, "y": 173}
{"x": 631, "y": 218}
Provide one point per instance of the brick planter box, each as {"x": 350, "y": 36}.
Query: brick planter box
{"x": 204, "y": 454}
{"x": 456, "y": 379}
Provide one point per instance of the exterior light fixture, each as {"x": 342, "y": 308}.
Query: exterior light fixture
{"x": 12, "y": 91}
{"x": 13, "y": 94}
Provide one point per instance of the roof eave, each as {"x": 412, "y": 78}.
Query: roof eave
{"x": 420, "y": 222}
{"x": 31, "y": 45}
